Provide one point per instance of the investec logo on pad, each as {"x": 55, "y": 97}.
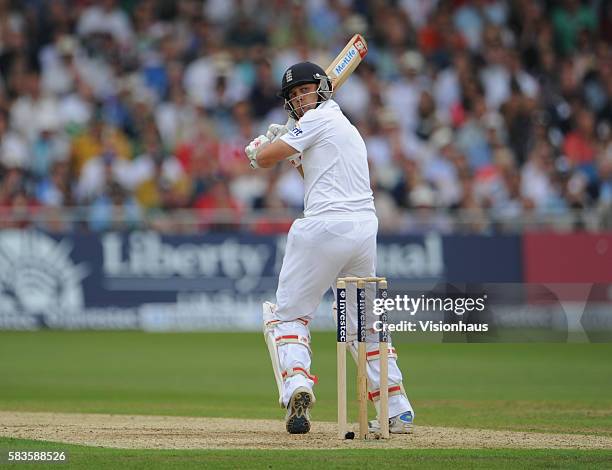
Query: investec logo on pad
{"x": 352, "y": 52}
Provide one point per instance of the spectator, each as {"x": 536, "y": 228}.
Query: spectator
{"x": 106, "y": 18}
{"x": 605, "y": 175}
{"x": 579, "y": 144}
{"x": 439, "y": 169}
{"x": 424, "y": 218}
{"x": 472, "y": 138}
{"x": 464, "y": 106}
{"x": 13, "y": 149}
{"x": 94, "y": 140}
{"x": 33, "y": 109}
{"x": 569, "y": 19}
{"x": 49, "y": 147}
{"x": 536, "y": 178}
{"x": 113, "y": 209}
{"x": 218, "y": 210}
{"x": 405, "y": 95}
{"x": 99, "y": 173}
{"x": 263, "y": 92}
{"x": 158, "y": 179}
{"x": 55, "y": 189}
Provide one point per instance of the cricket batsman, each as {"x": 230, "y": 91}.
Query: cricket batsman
{"x": 336, "y": 237}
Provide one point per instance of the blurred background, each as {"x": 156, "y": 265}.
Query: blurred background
{"x": 479, "y": 116}
{"x": 123, "y": 126}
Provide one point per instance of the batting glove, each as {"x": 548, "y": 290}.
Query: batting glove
{"x": 290, "y": 124}
{"x": 254, "y": 148}
{"x": 275, "y": 131}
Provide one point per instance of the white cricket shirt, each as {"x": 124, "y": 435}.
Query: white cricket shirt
{"x": 334, "y": 159}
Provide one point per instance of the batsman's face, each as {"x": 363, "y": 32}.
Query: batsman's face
{"x": 303, "y": 98}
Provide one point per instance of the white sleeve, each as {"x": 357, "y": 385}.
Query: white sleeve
{"x": 306, "y": 132}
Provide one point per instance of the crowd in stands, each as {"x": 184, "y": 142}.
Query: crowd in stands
{"x": 127, "y": 112}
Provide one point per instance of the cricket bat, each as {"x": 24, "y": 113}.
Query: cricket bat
{"x": 347, "y": 61}
{"x": 344, "y": 65}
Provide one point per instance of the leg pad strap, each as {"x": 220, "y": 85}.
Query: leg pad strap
{"x": 393, "y": 390}
{"x": 293, "y": 339}
{"x": 374, "y": 355}
{"x": 299, "y": 371}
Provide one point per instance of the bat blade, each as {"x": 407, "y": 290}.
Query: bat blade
{"x": 347, "y": 61}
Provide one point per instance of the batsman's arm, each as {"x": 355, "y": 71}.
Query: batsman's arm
{"x": 296, "y": 163}
{"x": 274, "y": 153}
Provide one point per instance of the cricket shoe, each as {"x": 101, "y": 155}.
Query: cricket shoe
{"x": 400, "y": 424}
{"x": 298, "y": 411}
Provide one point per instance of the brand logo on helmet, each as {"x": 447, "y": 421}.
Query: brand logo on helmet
{"x": 289, "y": 75}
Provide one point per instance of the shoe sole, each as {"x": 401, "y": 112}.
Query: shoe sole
{"x": 298, "y": 422}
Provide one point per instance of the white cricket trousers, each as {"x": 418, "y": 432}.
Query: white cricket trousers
{"x": 317, "y": 252}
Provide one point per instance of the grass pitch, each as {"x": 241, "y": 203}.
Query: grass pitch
{"x": 528, "y": 387}
{"x": 81, "y": 457}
